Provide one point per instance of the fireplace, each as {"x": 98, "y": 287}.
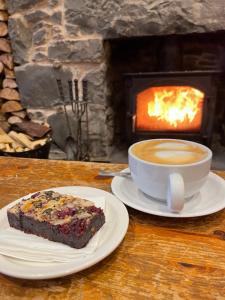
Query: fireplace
{"x": 171, "y": 105}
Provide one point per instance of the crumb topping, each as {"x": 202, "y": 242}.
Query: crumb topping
{"x": 58, "y": 209}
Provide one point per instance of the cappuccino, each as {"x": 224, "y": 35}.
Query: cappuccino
{"x": 169, "y": 152}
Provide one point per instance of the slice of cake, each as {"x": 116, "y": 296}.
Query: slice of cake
{"x": 56, "y": 217}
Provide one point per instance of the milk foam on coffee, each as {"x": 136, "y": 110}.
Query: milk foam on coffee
{"x": 169, "y": 152}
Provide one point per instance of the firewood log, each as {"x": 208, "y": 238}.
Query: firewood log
{"x": 11, "y": 106}
{"x": 9, "y": 83}
{"x": 5, "y": 126}
{"x": 14, "y": 147}
{"x": 5, "y": 138}
{"x": 39, "y": 142}
{"x": 9, "y": 94}
{"x": 7, "y": 60}
{"x": 21, "y": 139}
{"x": 14, "y": 119}
{"x": 4, "y": 16}
{"x": 5, "y": 45}
{"x": 21, "y": 149}
{"x": 21, "y": 114}
{"x": 1, "y": 67}
{"x": 2, "y": 5}
{"x": 25, "y": 141}
{"x": 2, "y": 117}
{"x": 8, "y": 148}
{"x": 9, "y": 73}
{"x": 32, "y": 129}
{"x": 3, "y": 29}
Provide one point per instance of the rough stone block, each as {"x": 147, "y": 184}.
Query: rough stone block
{"x": 53, "y": 3}
{"x": 37, "y": 84}
{"x": 39, "y": 56}
{"x": 36, "y": 16}
{"x": 21, "y": 39}
{"x": 15, "y": 6}
{"x": 72, "y": 30}
{"x": 78, "y": 18}
{"x": 97, "y": 125}
{"x": 79, "y": 51}
{"x": 97, "y": 84}
{"x": 56, "y": 17}
{"x": 60, "y": 130}
{"x": 40, "y": 37}
{"x": 140, "y": 18}
{"x": 37, "y": 115}
{"x": 98, "y": 149}
{"x": 57, "y": 33}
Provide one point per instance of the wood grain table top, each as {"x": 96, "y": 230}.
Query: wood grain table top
{"x": 159, "y": 258}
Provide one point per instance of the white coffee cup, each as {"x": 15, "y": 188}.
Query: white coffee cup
{"x": 170, "y": 182}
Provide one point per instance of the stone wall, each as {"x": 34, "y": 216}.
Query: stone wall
{"x": 45, "y": 51}
{"x": 65, "y": 39}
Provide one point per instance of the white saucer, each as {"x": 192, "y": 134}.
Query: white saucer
{"x": 113, "y": 232}
{"x": 210, "y": 199}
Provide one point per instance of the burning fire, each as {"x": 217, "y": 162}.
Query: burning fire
{"x": 170, "y": 108}
{"x": 175, "y": 104}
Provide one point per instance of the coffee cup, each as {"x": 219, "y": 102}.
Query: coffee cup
{"x": 170, "y": 170}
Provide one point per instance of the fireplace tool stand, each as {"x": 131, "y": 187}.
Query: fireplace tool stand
{"x": 77, "y": 143}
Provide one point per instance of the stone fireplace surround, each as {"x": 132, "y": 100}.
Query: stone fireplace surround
{"x": 70, "y": 39}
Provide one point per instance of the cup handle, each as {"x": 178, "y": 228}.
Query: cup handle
{"x": 175, "y": 192}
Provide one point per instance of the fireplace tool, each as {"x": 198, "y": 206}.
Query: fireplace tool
{"x": 79, "y": 109}
{"x": 71, "y": 144}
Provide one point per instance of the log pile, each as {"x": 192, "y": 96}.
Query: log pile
{"x": 18, "y": 142}
{"x": 17, "y": 132}
{"x": 13, "y": 140}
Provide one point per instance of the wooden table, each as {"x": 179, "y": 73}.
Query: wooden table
{"x": 160, "y": 258}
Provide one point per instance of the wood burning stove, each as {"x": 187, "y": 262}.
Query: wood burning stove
{"x": 170, "y": 105}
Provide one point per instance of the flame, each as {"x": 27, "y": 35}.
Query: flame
{"x": 175, "y": 105}
{"x": 169, "y": 108}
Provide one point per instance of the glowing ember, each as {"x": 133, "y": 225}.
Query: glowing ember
{"x": 170, "y": 107}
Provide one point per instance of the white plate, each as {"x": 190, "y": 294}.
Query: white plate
{"x": 210, "y": 199}
{"x": 114, "y": 230}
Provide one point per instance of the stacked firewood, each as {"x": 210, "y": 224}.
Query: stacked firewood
{"x": 17, "y": 132}
{"x": 19, "y": 141}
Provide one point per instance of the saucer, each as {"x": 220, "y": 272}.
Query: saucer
{"x": 209, "y": 200}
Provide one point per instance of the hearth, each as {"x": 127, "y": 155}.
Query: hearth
{"x": 170, "y": 105}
